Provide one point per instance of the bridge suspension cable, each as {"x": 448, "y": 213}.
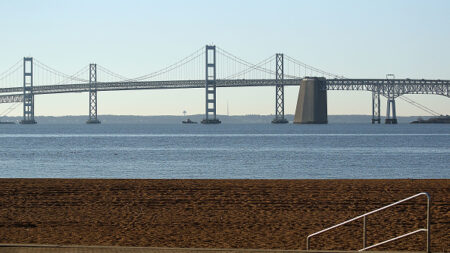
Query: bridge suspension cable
{"x": 60, "y": 75}
{"x": 309, "y": 68}
{"x": 10, "y": 77}
{"x": 420, "y": 106}
{"x": 112, "y": 74}
{"x": 177, "y": 66}
{"x": 247, "y": 68}
{"x": 9, "y": 110}
{"x": 83, "y": 72}
{"x": 9, "y": 70}
{"x": 171, "y": 69}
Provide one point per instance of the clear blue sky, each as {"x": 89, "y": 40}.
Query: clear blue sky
{"x": 360, "y": 39}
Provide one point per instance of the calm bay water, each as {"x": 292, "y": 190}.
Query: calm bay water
{"x": 225, "y": 151}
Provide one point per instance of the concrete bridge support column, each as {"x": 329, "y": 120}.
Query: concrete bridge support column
{"x": 93, "y": 95}
{"x": 390, "y": 100}
{"x": 210, "y": 87}
{"x": 389, "y": 120}
{"x": 312, "y": 102}
{"x": 28, "y": 96}
{"x": 279, "y": 90}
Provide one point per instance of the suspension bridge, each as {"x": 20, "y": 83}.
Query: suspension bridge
{"x": 209, "y": 68}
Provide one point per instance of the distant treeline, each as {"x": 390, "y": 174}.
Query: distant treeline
{"x": 240, "y": 119}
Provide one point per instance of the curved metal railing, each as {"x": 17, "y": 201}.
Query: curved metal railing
{"x": 365, "y": 247}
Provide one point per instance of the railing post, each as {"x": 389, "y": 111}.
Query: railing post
{"x": 364, "y": 232}
{"x": 428, "y": 224}
{"x": 307, "y": 243}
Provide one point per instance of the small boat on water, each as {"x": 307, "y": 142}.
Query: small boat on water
{"x": 189, "y": 121}
{"x": 7, "y": 123}
{"x": 440, "y": 119}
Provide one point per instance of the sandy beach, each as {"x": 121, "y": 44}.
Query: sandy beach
{"x": 266, "y": 214}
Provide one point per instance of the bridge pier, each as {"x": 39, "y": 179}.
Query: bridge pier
{"x": 390, "y": 100}
{"x": 210, "y": 86}
{"x": 279, "y": 90}
{"x": 28, "y": 95}
{"x": 93, "y": 95}
{"x": 389, "y": 120}
{"x": 376, "y": 106}
{"x": 312, "y": 102}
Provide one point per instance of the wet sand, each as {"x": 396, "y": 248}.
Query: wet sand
{"x": 266, "y": 214}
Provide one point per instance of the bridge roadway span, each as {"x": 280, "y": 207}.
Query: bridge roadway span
{"x": 397, "y": 87}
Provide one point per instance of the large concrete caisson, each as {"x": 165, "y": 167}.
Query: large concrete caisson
{"x": 312, "y": 102}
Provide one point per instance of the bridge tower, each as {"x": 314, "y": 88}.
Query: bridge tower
{"x": 210, "y": 86}
{"x": 390, "y": 101}
{"x": 93, "y": 95}
{"x": 28, "y": 95}
{"x": 376, "y": 105}
{"x": 279, "y": 90}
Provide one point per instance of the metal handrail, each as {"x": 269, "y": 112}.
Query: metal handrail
{"x": 377, "y": 210}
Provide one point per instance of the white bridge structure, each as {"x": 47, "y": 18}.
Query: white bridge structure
{"x": 208, "y": 68}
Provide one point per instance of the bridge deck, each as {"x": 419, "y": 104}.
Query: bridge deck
{"x": 393, "y": 86}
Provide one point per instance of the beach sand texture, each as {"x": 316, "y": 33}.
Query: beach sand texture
{"x": 265, "y": 214}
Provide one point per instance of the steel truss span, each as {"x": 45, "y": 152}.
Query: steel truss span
{"x": 391, "y": 87}
{"x": 17, "y": 98}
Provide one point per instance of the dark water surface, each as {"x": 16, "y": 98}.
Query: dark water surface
{"x": 225, "y": 151}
